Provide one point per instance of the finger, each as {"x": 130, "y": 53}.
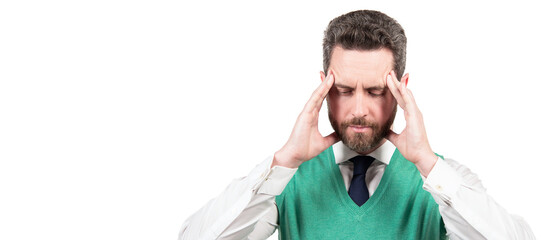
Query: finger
{"x": 394, "y": 87}
{"x": 409, "y": 100}
{"x": 405, "y": 93}
{"x": 392, "y": 137}
{"x": 316, "y": 100}
{"x": 398, "y": 84}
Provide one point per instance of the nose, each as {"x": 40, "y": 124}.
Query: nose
{"x": 361, "y": 105}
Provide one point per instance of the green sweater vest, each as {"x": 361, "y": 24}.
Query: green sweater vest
{"x": 316, "y": 205}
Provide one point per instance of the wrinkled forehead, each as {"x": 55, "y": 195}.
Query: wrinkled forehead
{"x": 361, "y": 67}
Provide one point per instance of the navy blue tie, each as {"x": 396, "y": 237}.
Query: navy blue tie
{"x": 357, "y": 189}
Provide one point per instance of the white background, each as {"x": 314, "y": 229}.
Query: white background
{"x": 119, "y": 119}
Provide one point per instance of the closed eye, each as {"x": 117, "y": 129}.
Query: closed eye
{"x": 344, "y": 91}
{"x": 376, "y": 93}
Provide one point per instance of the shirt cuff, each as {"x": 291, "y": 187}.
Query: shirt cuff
{"x": 442, "y": 182}
{"x": 275, "y": 179}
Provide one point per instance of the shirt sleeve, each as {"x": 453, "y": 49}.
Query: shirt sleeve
{"x": 467, "y": 210}
{"x": 245, "y": 206}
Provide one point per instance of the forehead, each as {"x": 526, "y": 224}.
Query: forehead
{"x": 361, "y": 67}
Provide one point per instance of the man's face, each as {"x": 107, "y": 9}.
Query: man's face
{"x": 361, "y": 107}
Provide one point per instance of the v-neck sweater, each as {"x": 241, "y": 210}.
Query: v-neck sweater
{"x": 315, "y": 205}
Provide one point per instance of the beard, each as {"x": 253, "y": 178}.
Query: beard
{"x": 362, "y": 142}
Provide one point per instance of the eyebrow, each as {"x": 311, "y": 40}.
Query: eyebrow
{"x": 339, "y": 85}
{"x": 376, "y": 88}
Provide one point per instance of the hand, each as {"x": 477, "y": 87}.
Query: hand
{"x": 412, "y": 142}
{"x": 305, "y": 141}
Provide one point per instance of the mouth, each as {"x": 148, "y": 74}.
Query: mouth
{"x": 359, "y": 128}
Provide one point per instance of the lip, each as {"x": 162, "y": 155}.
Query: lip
{"x": 359, "y": 128}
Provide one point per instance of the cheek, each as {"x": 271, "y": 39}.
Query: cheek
{"x": 338, "y": 105}
{"x": 378, "y": 108}
{"x": 384, "y": 109}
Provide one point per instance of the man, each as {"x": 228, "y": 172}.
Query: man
{"x": 364, "y": 181}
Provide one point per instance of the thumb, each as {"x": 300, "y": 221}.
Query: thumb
{"x": 331, "y": 139}
{"x": 392, "y": 137}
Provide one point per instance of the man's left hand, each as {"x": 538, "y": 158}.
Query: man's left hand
{"x": 412, "y": 142}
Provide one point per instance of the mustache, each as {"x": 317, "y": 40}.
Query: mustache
{"x": 359, "y": 121}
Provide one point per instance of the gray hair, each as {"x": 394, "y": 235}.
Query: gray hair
{"x": 366, "y": 30}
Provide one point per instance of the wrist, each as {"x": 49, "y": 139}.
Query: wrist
{"x": 426, "y": 163}
{"x": 284, "y": 160}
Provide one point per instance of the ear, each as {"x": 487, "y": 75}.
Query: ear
{"x": 322, "y": 75}
{"x": 405, "y": 78}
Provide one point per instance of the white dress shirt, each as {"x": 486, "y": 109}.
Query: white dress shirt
{"x": 247, "y": 210}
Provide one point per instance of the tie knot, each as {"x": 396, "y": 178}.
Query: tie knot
{"x": 361, "y": 164}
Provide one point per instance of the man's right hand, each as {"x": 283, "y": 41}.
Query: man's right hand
{"x": 305, "y": 141}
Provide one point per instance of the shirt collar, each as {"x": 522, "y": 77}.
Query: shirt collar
{"x": 383, "y": 154}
